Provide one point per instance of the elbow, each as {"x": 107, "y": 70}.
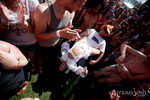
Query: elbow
{"x": 101, "y": 54}
{"x": 124, "y": 45}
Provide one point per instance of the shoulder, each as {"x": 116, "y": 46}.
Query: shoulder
{"x": 42, "y": 11}
{"x": 33, "y": 3}
{"x": 42, "y": 8}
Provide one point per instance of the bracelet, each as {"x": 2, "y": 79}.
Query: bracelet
{"x": 58, "y": 33}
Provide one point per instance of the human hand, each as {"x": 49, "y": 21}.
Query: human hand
{"x": 120, "y": 59}
{"x": 21, "y": 12}
{"x": 74, "y": 39}
{"x": 70, "y": 34}
{"x": 92, "y": 62}
{"x": 21, "y": 18}
{"x": 4, "y": 25}
{"x": 85, "y": 72}
{"x": 70, "y": 25}
{"x": 114, "y": 95}
{"x": 62, "y": 67}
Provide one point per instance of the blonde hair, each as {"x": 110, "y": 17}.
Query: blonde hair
{"x": 107, "y": 28}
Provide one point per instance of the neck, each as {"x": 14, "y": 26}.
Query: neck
{"x": 59, "y": 9}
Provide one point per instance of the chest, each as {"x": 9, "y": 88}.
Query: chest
{"x": 56, "y": 23}
{"x": 12, "y": 16}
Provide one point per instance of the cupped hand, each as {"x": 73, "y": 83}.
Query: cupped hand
{"x": 69, "y": 34}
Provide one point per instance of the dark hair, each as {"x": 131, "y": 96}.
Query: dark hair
{"x": 148, "y": 57}
{"x": 94, "y": 3}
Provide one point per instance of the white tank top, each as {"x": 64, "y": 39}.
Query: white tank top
{"x": 21, "y": 37}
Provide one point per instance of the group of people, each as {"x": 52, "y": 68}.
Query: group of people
{"x": 22, "y": 28}
{"x": 69, "y": 34}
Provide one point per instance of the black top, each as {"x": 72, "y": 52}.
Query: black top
{"x": 11, "y": 81}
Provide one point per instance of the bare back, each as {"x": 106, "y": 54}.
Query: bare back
{"x": 137, "y": 64}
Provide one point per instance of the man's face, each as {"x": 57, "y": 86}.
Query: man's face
{"x": 74, "y": 5}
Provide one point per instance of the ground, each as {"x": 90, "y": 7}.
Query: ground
{"x": 46, "y": 95}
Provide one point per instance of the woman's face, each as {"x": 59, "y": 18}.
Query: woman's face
{"x": 103, "y": 33}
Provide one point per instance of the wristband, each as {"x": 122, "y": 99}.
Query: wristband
{"x": 58, "y": 33}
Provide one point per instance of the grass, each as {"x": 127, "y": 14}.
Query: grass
{"x": 32, "y": 94}
{"x": 46, "y": 95}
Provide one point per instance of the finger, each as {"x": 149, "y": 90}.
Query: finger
{"x": 78, "y": 30}
{"x": 73, "y": 39}
{"x": 72, "y": 32}
{"x": 75, "y": 30}
{"x": 78, "y": 36}
{"x": 70, "y": 26}
{"x": 75, "y": 36}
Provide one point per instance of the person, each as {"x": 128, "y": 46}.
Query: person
{"x": 30, "y": 99}
{"x": 12, "y": 79}
{"x": 85, "y": 20}
{"x": 56, "y": 25}
{"x": 92, "y": 43}
{"x": 16, "y": 24}
{"x": 132, "y": 65}
{"x": 57, "y": 16}
{"x": 113, "y": 95}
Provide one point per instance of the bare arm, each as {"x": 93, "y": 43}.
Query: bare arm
{"x": 83, "y": 34}
{"x": 11, "y": 57}
{"x": 125, "y": 48}
{"x": 96, "y": 52}
{"x": 124, "y": 72}
{"x": 139, "y": 76}
{"x": 41, "y": 12}
{"x": 4, "y": 22}
{"x": 100, "y": 57}
{"x": 100, "y": 51}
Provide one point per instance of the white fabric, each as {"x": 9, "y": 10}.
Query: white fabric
{"x": 65, "y": 47}
{"x": 24, "y": 38}
{"x": 85, "y": 51}
{"x": 101, "y": 42}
